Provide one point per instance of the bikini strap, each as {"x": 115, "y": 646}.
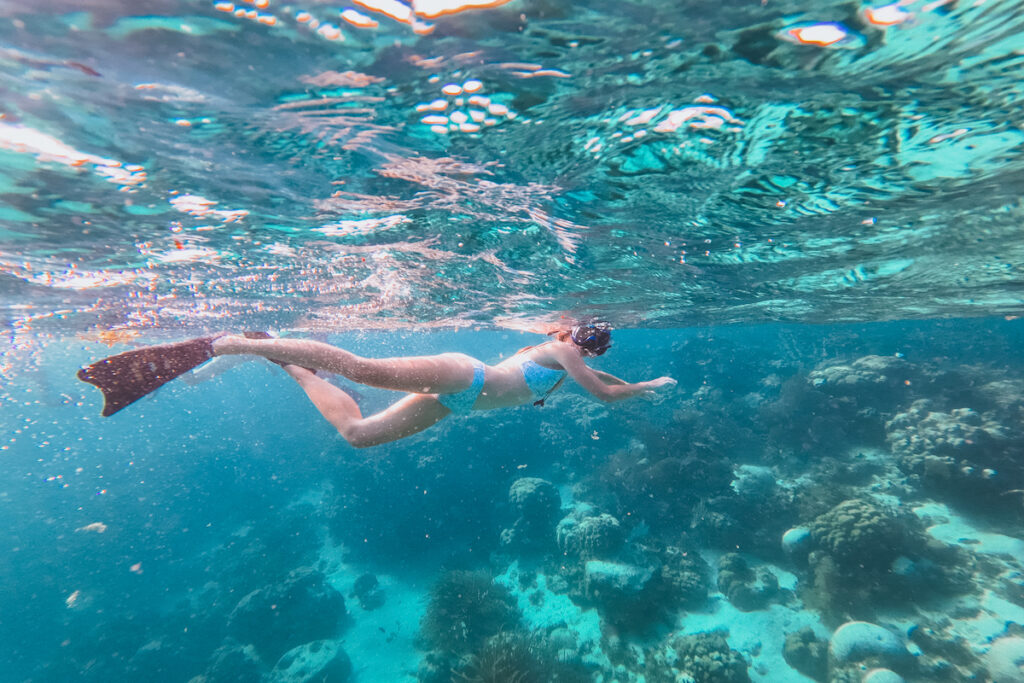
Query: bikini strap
{"x": 540, "y": 402}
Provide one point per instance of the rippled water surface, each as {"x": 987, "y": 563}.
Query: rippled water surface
{"x": 176, "y": 163}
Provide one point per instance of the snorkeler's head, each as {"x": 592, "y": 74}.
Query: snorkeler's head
{"x": 593, "y": 337}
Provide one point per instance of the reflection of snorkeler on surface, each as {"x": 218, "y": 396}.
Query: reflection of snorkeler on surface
{"x": 437, "y": 386}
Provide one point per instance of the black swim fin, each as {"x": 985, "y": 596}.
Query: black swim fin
{"x": 128, "y": 376}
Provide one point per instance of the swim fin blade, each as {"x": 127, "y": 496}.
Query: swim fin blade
{"x": 128, "y": 376}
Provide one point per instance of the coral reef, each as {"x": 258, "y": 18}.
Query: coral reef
{"x": 857, "y": 641}
{"x": 795, "y": 540}
{"x": 546, "y": 607}
{"x": 843, "y": 402}
{"x": 436, "y": 667}
{"x": 322, "y": 661}
{"x": 647, "y": 584}
{"x": 961, "y": 453}
{"x": 587, "y": 534}
{"x": 860, "y": 645}
{"x": 722, "y": 521}
{"x": 368, "y": 592}
{"x": 1005, "y": 660}
{"x": 861, "y": 532}
{"x": 753, "y": 481}
{"x": 276, "y": 618}
{"x": 518, "y": 657}
{"x": 944, "y": 652}
{"x": 701, "y": 658}
{"x": 861, "y": 550}
{"x": 232, "y": 663}
{"x": 661, "y": 491}
{"x": 465, "y": 609}
{"x": 537, "y": 504}
{"x": 682, "y": 580}
{"x": 872, "y": 379}
{"x": 615, "y": 579}
{"x": 807, "y": 653}
{"x": 882, "y": 676}
{"x": 748, "y": 589}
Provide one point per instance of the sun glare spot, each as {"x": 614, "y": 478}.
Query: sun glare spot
{"x": 827, "y": 34}
{"x": 200, "y": 207}
{"x": 358, "y": 19}
{"x": 887, "y": 15}
{"x": 389, "y": 8}
{"x": 47, "y": 148}
{"x": 436, "y": 8}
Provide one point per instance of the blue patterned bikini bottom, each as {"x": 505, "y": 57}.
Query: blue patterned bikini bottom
{"x": 463, "y": 401}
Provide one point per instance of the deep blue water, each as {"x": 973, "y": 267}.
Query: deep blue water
{"x": 211, "y": 492}
{"x": 806, "y": 213}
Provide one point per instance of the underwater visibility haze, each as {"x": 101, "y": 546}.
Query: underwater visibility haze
{"x": 807, "y": 213}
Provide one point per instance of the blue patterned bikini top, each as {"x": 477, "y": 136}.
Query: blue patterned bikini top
{"x": 540, "y": 380}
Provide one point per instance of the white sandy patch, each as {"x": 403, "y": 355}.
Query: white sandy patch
{"x": 952, "y": 528}
{"x": 553, "y": 611}
{"x": 759, "y": 635}
{"x": 380, "y": 642}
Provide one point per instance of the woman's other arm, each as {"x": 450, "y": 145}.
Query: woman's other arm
{"x": 594, "y": 382}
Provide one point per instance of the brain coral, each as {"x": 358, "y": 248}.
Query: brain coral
{"x": 537, "y": 504}
{"x": 701, "y": 658}
{"x": 1005, "y": 660}
{"x": 864, "y": 375}
{"x": 860, "y": 532}
{"x": 960, "y": 450}
{"x": 588, "y": 535}
{"x": 746, "y": 588}
{"x": 855, "y": 641}
{"x": 536, "y": 500}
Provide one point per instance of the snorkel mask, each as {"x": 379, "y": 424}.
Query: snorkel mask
{"x": 595, "y": 338}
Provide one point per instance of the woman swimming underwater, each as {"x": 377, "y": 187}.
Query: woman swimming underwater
{"x": 437, "y": 386}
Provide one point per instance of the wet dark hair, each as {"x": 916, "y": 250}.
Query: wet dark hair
{"x": 594, "y": 337}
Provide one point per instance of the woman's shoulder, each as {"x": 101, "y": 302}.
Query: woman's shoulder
{"x": 535, "y": 351}
{"x": 552, "y": 352}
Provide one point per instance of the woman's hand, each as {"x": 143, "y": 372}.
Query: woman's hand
{"x": 659, "y": 387}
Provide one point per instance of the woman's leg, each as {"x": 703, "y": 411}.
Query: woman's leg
{"x": 447, "y": 373}
{"x": 410, "y": 415}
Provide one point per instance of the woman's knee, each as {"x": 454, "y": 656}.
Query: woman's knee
{"x": 358, "y": 436}
{"x": 359, "y": 433}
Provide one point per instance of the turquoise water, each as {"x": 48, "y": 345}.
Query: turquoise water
{"x": 806, "y": 213}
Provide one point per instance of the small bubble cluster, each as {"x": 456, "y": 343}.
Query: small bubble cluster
{"x": 327, "y": 27}
{"x": 703, "y": 115}
{"x": 463, "y": 109}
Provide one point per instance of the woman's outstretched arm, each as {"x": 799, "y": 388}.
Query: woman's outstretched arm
{"x": 608, "y": 378}
{"x": 593, "y": 383}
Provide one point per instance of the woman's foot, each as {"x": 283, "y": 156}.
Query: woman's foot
{"x": 235, "y": 344}
{"x": 259, "y": 334}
